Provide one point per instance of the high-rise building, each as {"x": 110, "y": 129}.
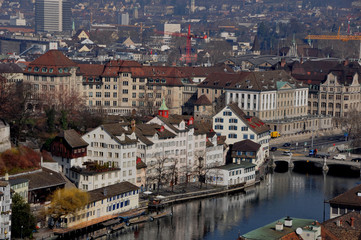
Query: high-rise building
{"x": 52, "y": 15}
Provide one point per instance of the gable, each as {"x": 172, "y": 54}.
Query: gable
{"x": 283, "y": 85}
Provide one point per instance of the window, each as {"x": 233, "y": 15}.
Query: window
{"x": 134, "y": 95}
{"x": 251, "y": 136}
{"x": 219, "y": 120}
{"x": 125, "y": 91}
{"x": 98, "y": 94}
{"x": 134, "y": 87}
{"x": 107, "y": 79}
{"x": 232, "y": 135}
{"x": 227, "y": 113}
{"x": 232, "y": 127}
{"x": 218, "y": 127}
{"x": 107, "y": 94}
{"x": 245, "y": 136}
{"x": 125, "y": 100}
{"x": 244, "y": 128}
{"x": 114, "y": 94}
{"x": 114, "y": 103}
{"x": 106, "y": 86}
{"x": 233, "y": 120}
{"x": 125, "y": 83}
{"x": 44, "y": 69}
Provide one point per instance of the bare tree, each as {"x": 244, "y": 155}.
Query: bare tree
{"x": 200, "y": 168}
{"x": 158, "y": 172}
{"x": 173, "y": 172}
{"x": 352, "y": 126}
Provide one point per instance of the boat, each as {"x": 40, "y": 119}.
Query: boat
{"x": 160, "y": 215}
{"x": 139, "y": 219}
{"x": 117, "y": 227}
{"x": 126, "y": 216}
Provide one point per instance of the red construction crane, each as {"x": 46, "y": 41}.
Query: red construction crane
{"x": 189, "y": 37}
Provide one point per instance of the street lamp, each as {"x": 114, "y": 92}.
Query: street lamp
{"x": 21, "y": 232}
{"x": 5, "y": 232}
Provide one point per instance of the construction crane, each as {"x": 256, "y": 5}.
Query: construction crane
{"x": 344, "y": 38}
{"x": 189, "y": 37}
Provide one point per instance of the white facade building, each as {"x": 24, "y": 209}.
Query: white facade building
{"x": 5, "y": 206}
{"x": 233, "y": 123}
{"x": 4, "y": 136}
{"x": 109, "y": 144}
{"x": 232, "y": 174}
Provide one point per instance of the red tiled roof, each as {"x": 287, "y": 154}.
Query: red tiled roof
{"x": 203, "y": 100}
{"x": 53, "y": 58}
{"x": 90, "y": 69}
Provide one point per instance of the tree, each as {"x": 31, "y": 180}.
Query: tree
{"x": 351, "y": 125}
{"x": 66, "y": 201}
{"x": 200, "y": 168}
{"x": 157, "y": 172}
{"x": 22, "y": 220}
{"x": 173, "y": 172}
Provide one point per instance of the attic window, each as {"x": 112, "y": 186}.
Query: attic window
{"x": 51, "y": 70}
{"x": 29, "y": 69}
{"x": 66, "y": 70}
{"x": 157, "y": 80}
{"x": 227, "y": 84}
{"x": 36, "y": 69}
{"x": 150, "y": 80}
{"x": 44, "y": 69}
{"x": 163, "y": 80}
{"x": 60, "y": 70}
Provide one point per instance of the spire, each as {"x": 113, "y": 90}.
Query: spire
{"x": 163, "y": 110}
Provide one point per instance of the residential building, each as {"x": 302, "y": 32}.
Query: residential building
{"x": 346, "y": 226}
{"x": 94, "y": 176}
{"x": 105, "y": 203}
{"x": 232, "y": 174}
{"x": 52, "y": 15}
{"x": 141, "y": 174}
{"x": 4, "y": 136}
{"x": 20, "y": 186}
{"x": 232, "y": 122}
{"x": 111, "y": 145}
{"x": 5, "y": 206}
{"x": 286, "y": 228}
{"x": 68, "y": 149}
{"x": 52, "y": 74}
{"x": 246, "y": 151}
{"x": 12, "y": 72}
{"x": 346, "y": 202}
{"x": 42, "y": 183}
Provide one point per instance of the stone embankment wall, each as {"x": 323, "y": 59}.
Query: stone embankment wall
{"x": 299, "y": 137}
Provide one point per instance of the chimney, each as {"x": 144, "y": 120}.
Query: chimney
{"x": 352, "y": 222}
{"x": 279, "y": 226}
{"x": 283, "y": 62}
{"x": 132, "y": 124}
{"x": 288, "y": 222}
{"x": 339, "y": 223}
{"x": 6, "y": 176}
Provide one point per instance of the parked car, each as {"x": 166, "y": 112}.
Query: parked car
{"x": 287, "y": 153}
{"x": 322, "y": 155}
{"x": 356, "y": 159}
{"x": 273, "y": 149}
{"x": 340, "y": 157}
{"x": 286, "y": 144}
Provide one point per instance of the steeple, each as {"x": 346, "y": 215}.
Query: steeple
{"x": 163, "y": 110}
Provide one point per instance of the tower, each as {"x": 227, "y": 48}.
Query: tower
{"x": 163, "y": 110}
{"x": 52, "y": 15}
{"x": 192, "y": 6}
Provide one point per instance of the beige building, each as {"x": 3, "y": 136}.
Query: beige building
{"x": 105, "y": 203}
{"x": 336, "y": 96}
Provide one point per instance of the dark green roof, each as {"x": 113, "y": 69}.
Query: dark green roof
{"x": 268, "y": 232}
{"x": 237, "y": 166}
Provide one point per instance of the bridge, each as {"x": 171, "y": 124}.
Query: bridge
{"x": 325, "y": 163}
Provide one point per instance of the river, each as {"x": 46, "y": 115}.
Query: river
{"x": 281, "y": 194}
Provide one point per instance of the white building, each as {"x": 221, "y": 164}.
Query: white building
{"x": 52, "y": 15}
{"x": 105, "y": 203}
{"x": 4, "y": 136}
{"x": 69, "y": 150}
{"x": 232, "y": 174}
{"x": 94, "y": 177}
{"x": 5, "y": 206}
{"x": 110, "y": 144}
{"x": 232, "y": 122}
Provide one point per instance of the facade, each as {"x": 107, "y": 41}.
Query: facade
{"x": 111, "y": 145}
{"x": 346, "y": 226}
{"x": 232, "y": 174}
{"x": 68, "y": 149}
{"x": 52, "y": 15}
{"x": 20, "y": 186}
{"x": 12, "y": 72}
{"x": 346, "y": 202}
{"x": 233, "y": 123}
{"x": 106, "y": 202}
{"x": 52, "y": 75}
{"x": 4, "y": 136}
{"x": 246, "y": 151}
{"x": 94, "y": 176}
{"x": 5, "y": 205}
{"x": 336, "y": 96}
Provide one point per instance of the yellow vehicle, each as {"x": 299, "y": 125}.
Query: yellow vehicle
{"x": 275, "y": 134}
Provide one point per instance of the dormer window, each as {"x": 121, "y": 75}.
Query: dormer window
{"x": 66, "y": 70}
{"x": 51, "y": 70}
{"x": 44, "y": 69}
{"x": 29, "y": 69}
{"x": 60, "y": 70}
{"x": 36, "y": 69}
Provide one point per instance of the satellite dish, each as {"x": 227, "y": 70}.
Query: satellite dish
{"x": 299, "y": 231}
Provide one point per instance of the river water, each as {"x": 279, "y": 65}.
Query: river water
{"x": 281, "y": 194}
